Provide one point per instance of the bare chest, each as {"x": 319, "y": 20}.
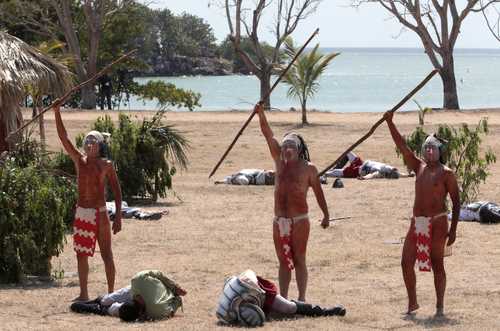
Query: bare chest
{"x": 91, "y": 172}
{"x": 431, "y": 183}
{"x": 293, "y": 179}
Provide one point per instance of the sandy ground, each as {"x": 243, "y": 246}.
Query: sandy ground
{"x": 217, "y": 231}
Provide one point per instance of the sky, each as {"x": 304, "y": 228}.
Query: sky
{"x": 339, "y": 24}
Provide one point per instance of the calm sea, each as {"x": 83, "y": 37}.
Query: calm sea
{"x": 359, "y": 80}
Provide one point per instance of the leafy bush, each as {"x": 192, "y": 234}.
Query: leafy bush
{"x": 167, "y": 94}
{"x": 144, "y": 154}
{"x": 36, "y": 207}
{"x": 462, "y": 155}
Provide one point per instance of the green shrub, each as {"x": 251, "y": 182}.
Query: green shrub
{"x": 167, "y": 94}
{"x": 144, "y": 154}
{"x": 36, "y": 208}
{"x": 462, "y": 155}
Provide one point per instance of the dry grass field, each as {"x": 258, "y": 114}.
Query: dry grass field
{"x": 215, "y": 231}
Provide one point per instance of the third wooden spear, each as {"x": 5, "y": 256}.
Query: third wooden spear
{"x": 283, "y": 73}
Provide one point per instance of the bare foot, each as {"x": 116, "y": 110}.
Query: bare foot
{"x": 412, "y": 308}
{"x": 439, "y": 312}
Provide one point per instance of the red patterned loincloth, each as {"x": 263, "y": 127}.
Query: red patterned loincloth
{"x": 85, "y": 230}
{"x": 423, "y": 232}
{"x": 285, "y": 228}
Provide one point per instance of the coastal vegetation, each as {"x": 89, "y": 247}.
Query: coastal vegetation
{"x": 304, "y": 74}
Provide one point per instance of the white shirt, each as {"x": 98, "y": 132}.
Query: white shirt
{"x": 116, "y": 299}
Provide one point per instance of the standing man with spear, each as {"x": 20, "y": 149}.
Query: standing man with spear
{"x": 293, "y": 177}
{"x": 91, "y": 222}
{"x": 428, "y": 233}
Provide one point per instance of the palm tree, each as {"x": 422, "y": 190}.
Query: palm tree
{"x": 304, "y": 74}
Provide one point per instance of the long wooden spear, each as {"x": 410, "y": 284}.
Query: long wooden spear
{"x": 283, "y": 73}
{"x": 73, "y": 90}
{"x": 369, "y": 133}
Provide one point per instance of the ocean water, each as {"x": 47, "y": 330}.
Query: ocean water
{"x": 358, "y": 80}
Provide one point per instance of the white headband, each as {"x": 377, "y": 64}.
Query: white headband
{"x": 95, "y": 134}
{"x": 433, "y": 141}
{"x": 291, "y": 138}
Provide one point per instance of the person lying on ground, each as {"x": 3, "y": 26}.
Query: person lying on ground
{"x": 360, "y": 169}
{"x": 480, "y": 211}
{"x": 249, "y": 177}
{"x": 150, "y": 296}
{"x": 134, "y": 212}
{"x": 247, "y": 299}
{"x": 91, "y": 222}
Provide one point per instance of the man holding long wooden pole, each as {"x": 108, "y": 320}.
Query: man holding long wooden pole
{"x": 428, "y": 232}
{"x": 294, "y": 175}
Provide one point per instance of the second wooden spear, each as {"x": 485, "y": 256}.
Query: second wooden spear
{"x": 283, "y": 73}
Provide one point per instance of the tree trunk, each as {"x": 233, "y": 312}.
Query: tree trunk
{"x": 4, "y": 146}
{"x": 450, "y": 94}
{"x": 265, "y": 86}
{"x": 41, "y": 124}
{"x": 304, "y": 113}
{"x": 88, "y": 97}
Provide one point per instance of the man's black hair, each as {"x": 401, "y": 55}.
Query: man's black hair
{"x": 304, "y": 151}
{"x": 104, "y": 150}
{"x": 129, "y": 311}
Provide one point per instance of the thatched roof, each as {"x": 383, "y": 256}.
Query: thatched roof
{"x": 21, "y": 66}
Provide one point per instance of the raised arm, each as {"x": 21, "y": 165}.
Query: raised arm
{"x": 411, "y": 160}
{"x": 320, "y": 196}
{"x": 117, "y": 192}
{"x": 274, "y": 146}
{"x": 63, "y": 136}
{"x": 453, "y": 191}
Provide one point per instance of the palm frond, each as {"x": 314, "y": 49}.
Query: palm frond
{"x": 305, "y": 72}
{"x": 22, "y": 65}
{"x": 174, "y": 143}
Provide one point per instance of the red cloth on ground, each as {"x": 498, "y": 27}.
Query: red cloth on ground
{"x": 352, "y": 170}
{"x": 271, "y": 292}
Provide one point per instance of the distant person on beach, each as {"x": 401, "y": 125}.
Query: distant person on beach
{"x": 294, "y": 174}
{"x": 247, "y": 300}
{"x": 91, "y": 222}
{"x": 250, "y": 177}
{"x": 151, "y": 295}
{"x": 426, "y": 238}
{"x": 357, "y": 168}
{"x": 105, "y": 91}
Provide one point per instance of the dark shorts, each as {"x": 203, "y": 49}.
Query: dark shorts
{"x": 271, "y": 292}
